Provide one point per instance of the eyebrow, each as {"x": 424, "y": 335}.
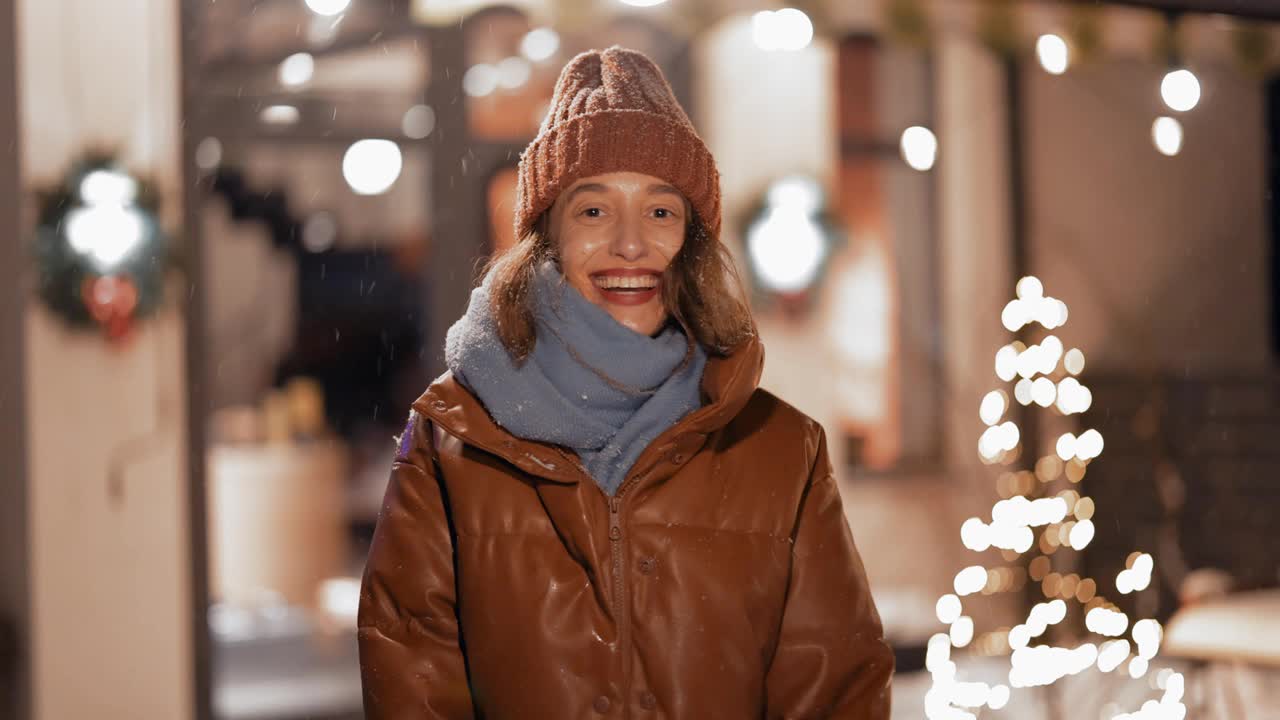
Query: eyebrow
{"x": 656, "y": 188}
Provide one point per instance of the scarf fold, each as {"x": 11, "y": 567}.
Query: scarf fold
{"x": 591, "y": 384}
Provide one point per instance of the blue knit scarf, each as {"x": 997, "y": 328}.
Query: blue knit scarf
{"x": 591, "y": 384}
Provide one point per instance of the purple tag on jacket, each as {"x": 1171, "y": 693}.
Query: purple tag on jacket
{"x": 406, "y": 438}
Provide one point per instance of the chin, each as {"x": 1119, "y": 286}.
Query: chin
{"x": 644, "y": 326}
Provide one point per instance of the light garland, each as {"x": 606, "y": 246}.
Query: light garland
{"x": 1063, "y": 520}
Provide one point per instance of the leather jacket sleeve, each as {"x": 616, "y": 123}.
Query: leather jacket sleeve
{"x": 411, "y": 661}
{"x": 831, "y": 660}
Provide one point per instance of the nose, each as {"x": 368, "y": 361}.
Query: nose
{"x": 628, "y": 241}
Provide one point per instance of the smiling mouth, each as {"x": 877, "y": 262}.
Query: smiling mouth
{"x": 616, "y": 283}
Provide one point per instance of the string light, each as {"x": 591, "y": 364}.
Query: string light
{"x": 1044, "y": 374}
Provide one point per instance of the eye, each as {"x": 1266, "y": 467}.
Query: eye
{"x": 593, "y": 212}
{"x": 664, "y": 213}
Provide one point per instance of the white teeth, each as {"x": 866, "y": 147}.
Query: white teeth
{"x": 610, "y": 282}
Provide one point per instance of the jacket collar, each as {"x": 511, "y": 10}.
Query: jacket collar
{"x": 727, "y": 384}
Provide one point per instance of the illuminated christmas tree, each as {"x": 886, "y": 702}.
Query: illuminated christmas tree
{"x": 1030, "y": 524}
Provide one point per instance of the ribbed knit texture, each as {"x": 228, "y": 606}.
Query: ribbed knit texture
{"x": 558, "y": 395}
{"x": 614, "y": 111}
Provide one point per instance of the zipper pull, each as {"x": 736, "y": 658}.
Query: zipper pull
{"x": 615, "y": 524}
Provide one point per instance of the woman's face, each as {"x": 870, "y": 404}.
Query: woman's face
{"x": 616, "y": 234}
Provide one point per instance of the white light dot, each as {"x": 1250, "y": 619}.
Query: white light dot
{"x": 1089, "y": 445}
{"x": 540, "y": 44}
{"x": 1074, "y": 361}
{"x": 1166, "y": 132}
{"x": 480, "y": 80}
{"x": 919, "y": 147}
{"x": 1066, "y": 446}
{"x": 992, "y": 408}
{"x": 107, "y": 233}
{"x": 975, "y": 535}
{"x": 108, "y": 187}
{"x": 1043, "y": 391}
{"x": 948, "y": 609}
{"x": 418, "y": 122}
{"x": 962, "y": 631}
{"x": 1053, "y": 53}
{"x": 371, "y": 166}
{"x": 1081, "y": 534}
{"x": 970, "y": 580}
{"x": 297, "y": 69}
{"x": 1180, "y": 90}
{"x": 328, "y": 7}
{"x": 1022, "y": 392}
{"x": 999, "y": 697}
{"x": 319, "y": 232}
{"x": 786, "y": 247}
{"x": 786, "y": 29}
{"x": 642, "y": 3}
{"x": 1007, "y": 363}
{"x": 209, "y": 153}
{"x": 1138, "y": 667}
{"x": 513, "y": 72}
{"x": 1029, "y": 288}
{"x": 280, "y": 115}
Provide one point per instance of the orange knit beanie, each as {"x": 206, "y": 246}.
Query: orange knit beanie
{"x": 614, "y": 111}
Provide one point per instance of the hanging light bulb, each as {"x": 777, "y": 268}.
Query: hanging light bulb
{"x": 1166, "y": 132}
{"x": 1180, "y": 90}
{"x": 1053, "y": 53}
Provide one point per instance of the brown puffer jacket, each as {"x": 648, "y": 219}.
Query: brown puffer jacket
{"x": 721, "y": 582}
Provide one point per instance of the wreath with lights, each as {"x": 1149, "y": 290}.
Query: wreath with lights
{"x": 99, "y": 249}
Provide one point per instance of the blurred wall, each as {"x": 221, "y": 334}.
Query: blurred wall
{"x": 1162, "y": 260}
{"x": 15, "y": 677}
{"x": 111, "y": 624}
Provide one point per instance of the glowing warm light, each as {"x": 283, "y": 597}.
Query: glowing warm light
{"x": 1066, "y": 446}
{"x": 1053, "y": 54}
{"x": 1044, "y": 392}
{"x": 105, "y": 233}
{"x": 109, "y": 227}
{"x": 786, "y": 29}
{"x": 209, "y": 153}
{"x": 418, "y": 122}
{"x": 1007, "y": 363}
{"x": 1137, "y": 576}
{"x": 1067, "y": 519}
{"x": 371, "y": 166}
{"x": 328, "y": 7}
{"x": 540, "y": 44}
{"x": 513, "y": 72}
{"x": 970, "y": 580}
{"x": 1166, "y": 132}
{"x": 642, "y": 3}
{"x": 480, "y": 80}
{"x": 948, "y": 609}
{"x": 340, "y": 597}
{"x": 1180, "y": 90}
{"x": 993, "y": 407}
{"x": 787, "y": 245}
{"x": 1089, "y": 445}
{"x": 108, "y": 187}
{"x": 297, "y": 69}
{"x": 919, "y": 148}
{"x": 1104, "y": 621}
{"x": 1074, "y": 361}
{"x": 1113, "y": 654}
{"x": 1081, "y": 534}
{"x": 962, "y": 631}
{"x": 976, "y": 536}
{"x": 280, "y": 115}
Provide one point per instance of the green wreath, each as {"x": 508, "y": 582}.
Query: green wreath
{"x": 99, "y": 248}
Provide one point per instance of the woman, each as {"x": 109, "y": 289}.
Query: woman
{"x": 596, "y": 512}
